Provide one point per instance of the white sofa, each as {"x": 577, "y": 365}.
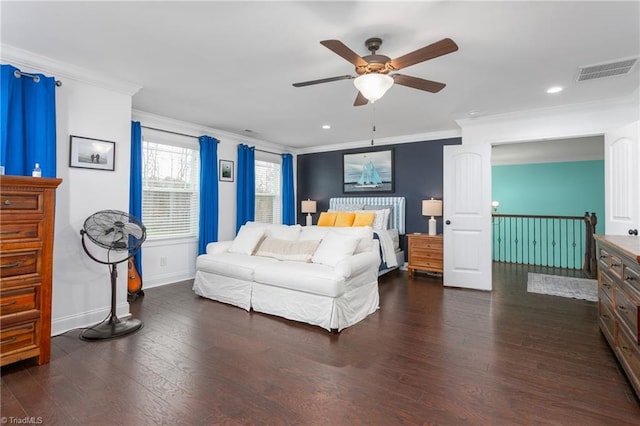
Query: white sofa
{"x": 318, "y": 275}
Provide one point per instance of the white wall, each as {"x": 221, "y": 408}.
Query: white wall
{"x": 87, "y": 106}
{"x": 169, "y": 261}
{"x": 94, "y": 106}
{"x": 82, "y": 291}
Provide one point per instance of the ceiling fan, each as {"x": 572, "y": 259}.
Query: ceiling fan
{"x": 373, "y": 78}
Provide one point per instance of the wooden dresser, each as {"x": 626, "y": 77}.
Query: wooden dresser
{"x": 26, "y": 258}
{"x": 619, "y": 300}
{"x": 425, "y": 253}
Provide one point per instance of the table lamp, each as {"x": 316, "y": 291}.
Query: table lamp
{"x": 309, "y": 207}
{"x": 432, "y": 208}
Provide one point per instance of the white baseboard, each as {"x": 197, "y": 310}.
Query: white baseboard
{"x": 86, "y": 319}
{"x": 161, "y": 280}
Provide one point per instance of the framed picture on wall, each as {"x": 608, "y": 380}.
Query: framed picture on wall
{"x": 370, "y": 171}
{"x": 226, "y": 171}
{"x": 89, "y": 153}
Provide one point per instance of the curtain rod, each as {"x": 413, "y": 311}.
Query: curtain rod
{"x": 36, "y": 78}
{"x": 268, "y": 152}
{"x": 169, "y": 131}
{"x": 196, "y": 137}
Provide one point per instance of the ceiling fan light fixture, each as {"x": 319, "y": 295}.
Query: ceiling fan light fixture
{"x": 373, "y": 86}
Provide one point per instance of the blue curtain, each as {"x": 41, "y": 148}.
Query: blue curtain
{"x": 288, "y": 195}
{"x": 27, "y": 123}
{"x": 135, "y": 182}
{"x": 208, "y": 230}
{"x": 246, "y": 188}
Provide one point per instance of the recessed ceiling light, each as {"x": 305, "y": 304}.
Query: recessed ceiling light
{"x": 326, "y": 126}
{"x": 554, "y": 89}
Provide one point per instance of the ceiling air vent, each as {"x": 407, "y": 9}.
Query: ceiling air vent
{"x": 606, "y": 70}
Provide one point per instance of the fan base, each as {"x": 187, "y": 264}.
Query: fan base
{"x": 112, "y": 329}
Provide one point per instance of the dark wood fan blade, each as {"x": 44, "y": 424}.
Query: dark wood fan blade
{"x": 418, "y": 83}
{"x": 434, "y": 50}
{"x": 360, "y": 100}
{"x": 323, "y": 80}
{"x": 339, "y": 48}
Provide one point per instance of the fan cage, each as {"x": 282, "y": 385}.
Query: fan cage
{"x": 115, "y": 230}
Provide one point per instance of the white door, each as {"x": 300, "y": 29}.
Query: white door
{"x": 467, "y": 216}
{"x": 622, "y": 180}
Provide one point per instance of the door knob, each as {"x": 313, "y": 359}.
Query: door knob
{"x": 633, "y": 232}
{"x": 448, "y": 222}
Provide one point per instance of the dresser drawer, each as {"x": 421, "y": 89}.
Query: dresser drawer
{"x": 18, "y": 338}
{"x": 429, "y": 244}
{"x": 630, "y": 358}
{"x": 606, "y": 284}
{"x": 627, "y": 311}
{"x": 19, "y": 263}
{"x": 15, "y": 301}
{"x": 606, "y": 318}
{"x": 20, "y": 232}
{"x": 21, "y": 202}
{"x": 603, "y": 259}
{"x": 615, "y": 265}
{"x": 632, "y": 278}
{"x": 421, "y": 252}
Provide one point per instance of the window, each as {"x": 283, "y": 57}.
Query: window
{"x": 170, "y": 185}
{"x": 268, "y": 189}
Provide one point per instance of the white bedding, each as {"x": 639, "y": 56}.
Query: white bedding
{"x": 388, "y": 247}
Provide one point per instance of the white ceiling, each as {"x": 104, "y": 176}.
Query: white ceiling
{"x": 231, "y": 65}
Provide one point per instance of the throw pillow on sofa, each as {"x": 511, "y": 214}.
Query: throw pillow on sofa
{"x": 247, "y": 240}
{"x": 297, "y": 251}
{"x": 281, "y": 232}
{"x": 335, "y": 247}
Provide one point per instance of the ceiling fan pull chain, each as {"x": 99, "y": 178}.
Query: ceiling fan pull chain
{"x": 373, "y": 127}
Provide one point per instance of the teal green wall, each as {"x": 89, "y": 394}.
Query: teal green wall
{"x": 547, "y": 189}
{"x": 562, "y": 189}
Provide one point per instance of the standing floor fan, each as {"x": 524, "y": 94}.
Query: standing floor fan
{"x": 115, "y": 231}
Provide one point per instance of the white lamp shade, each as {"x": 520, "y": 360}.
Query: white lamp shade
{"x": 373, "y": 86}
{"x": 432, "y": 207}
{"x": 308, "y": 206}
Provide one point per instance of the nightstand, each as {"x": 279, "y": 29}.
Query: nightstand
{"x": 425, "y": 253}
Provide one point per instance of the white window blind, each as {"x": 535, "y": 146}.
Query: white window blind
{"x": 268, "y": 191}
{"x": 170, "y": 188}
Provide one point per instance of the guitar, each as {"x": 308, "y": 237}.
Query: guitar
{"x": 134, "y": 282}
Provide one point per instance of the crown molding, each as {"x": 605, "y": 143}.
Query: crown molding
{"x": 394, "y": 140}
{"x": 195, "y": 130}
{"x": 629, "y": 102}
{"x": 31, "y": 62}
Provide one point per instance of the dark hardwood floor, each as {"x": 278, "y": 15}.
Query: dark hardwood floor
{"x": 430, "y": 355}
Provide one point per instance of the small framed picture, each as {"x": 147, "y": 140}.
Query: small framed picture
{"x": 226, "y": 170}
{"x": 89, "y": 153}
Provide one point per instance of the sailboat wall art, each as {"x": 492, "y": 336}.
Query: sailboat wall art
{"x": 370, "y": 171}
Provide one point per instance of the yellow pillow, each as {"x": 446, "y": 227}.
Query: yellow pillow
{"x": 327, "y": 219}
{"x": 364, "y": 219}
{"x": 344, "y": 219}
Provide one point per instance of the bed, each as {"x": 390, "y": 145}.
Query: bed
{"x": 392, "y": 256}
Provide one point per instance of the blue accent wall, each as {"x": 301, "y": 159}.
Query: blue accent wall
{"x": 563, "y": 189}
{"x": 417, "y": 176}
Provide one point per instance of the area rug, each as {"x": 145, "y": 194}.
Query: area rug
{"x": 555, "y": 285}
